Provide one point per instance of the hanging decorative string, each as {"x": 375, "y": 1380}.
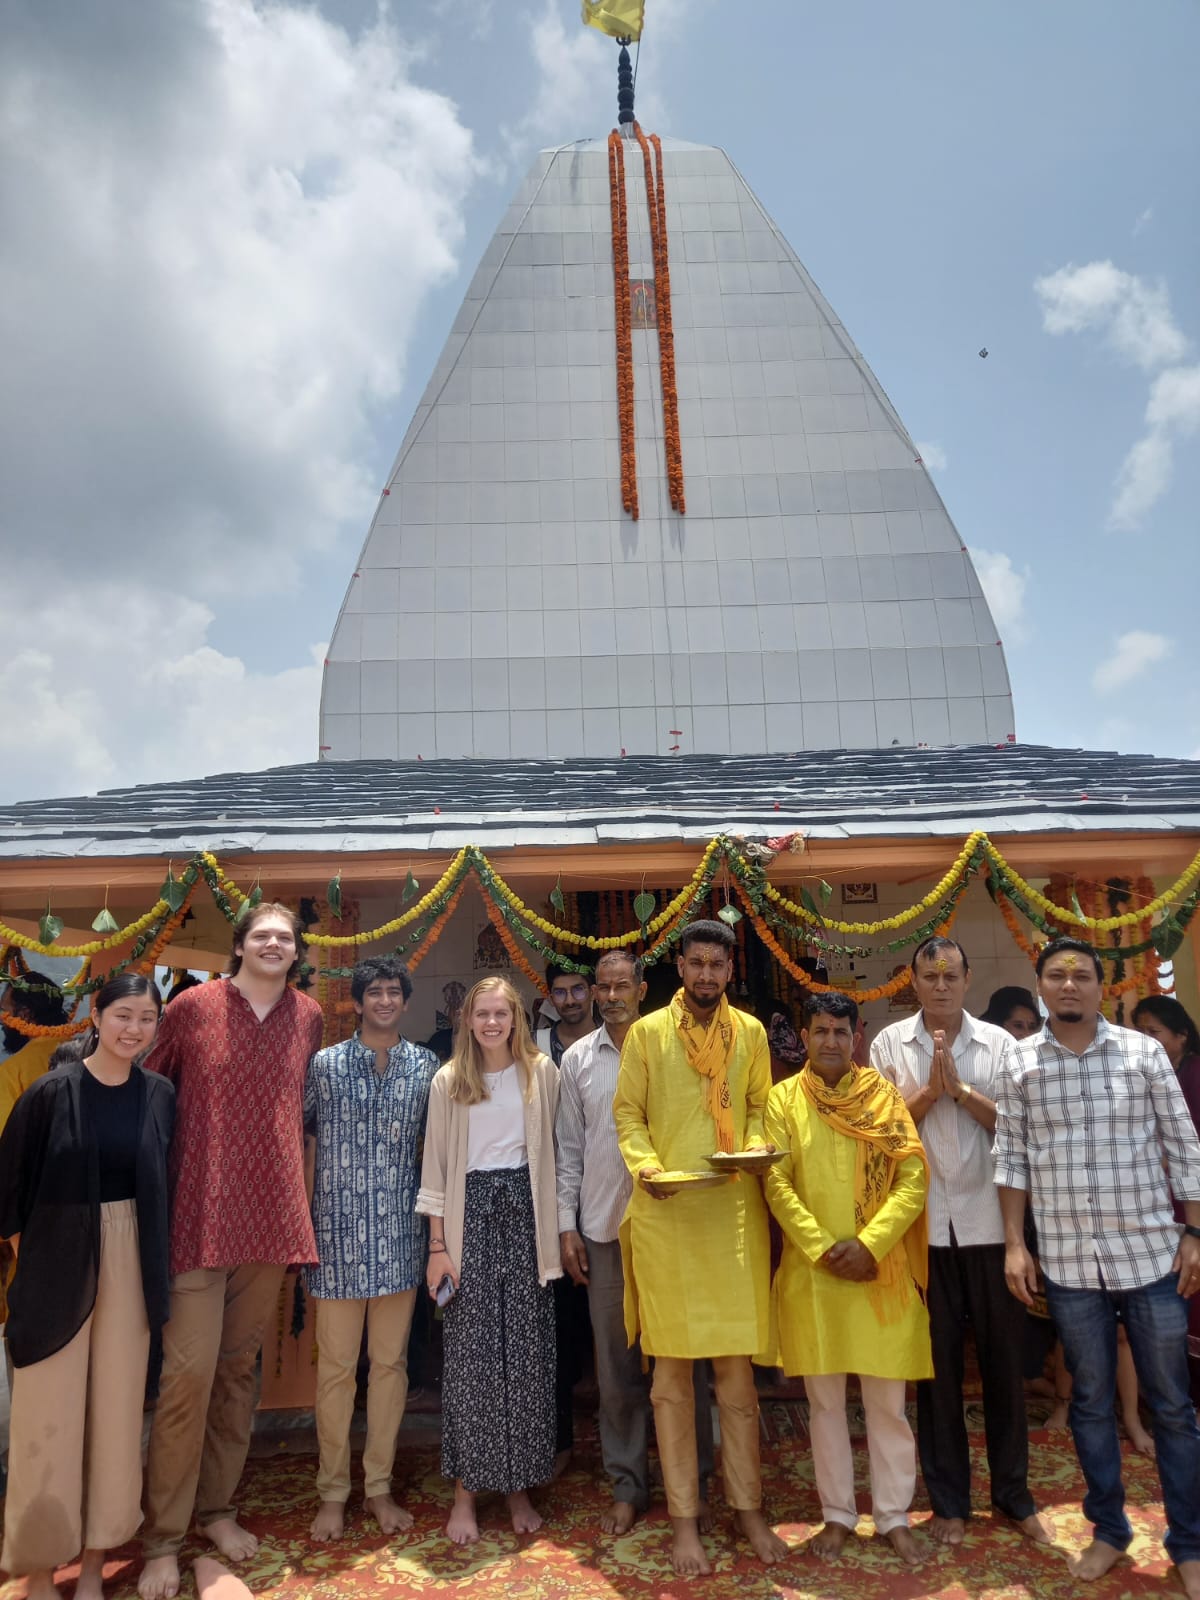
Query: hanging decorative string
{"x": 623, "y": 324}
{"x": 656, "y": 202}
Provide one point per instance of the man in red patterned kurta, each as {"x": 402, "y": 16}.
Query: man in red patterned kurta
{"x": 237, "y": 1052}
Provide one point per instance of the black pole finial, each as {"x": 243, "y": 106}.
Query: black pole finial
{"x": 624, "y": 84}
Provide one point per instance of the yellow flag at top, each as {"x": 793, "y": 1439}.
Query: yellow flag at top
{"x": 620, "y": 19}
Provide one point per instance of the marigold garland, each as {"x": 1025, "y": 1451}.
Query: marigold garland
{"x": 148, "y": 962}
{"x": 657, "y": 207}
{"x": 35, "y": 1030}
{"x": 457, "y": 868}
{"x": 497, "y": 920}
{"x": 623, "y": 324}
{"x": 435, "y": 931}
{"x": 94, "y": 946}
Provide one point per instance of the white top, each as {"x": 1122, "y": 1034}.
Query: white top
{"x": 962, "y": 1179}
{"x": 593, "y": 1181}
{"x": 496, "y": 1126}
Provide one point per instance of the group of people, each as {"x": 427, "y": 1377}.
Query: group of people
{"x": 167, "y": 1200}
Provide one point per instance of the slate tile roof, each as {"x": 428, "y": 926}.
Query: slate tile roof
{"x": 439, "y": 805}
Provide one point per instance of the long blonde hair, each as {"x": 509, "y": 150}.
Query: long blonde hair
{"x": 466, "y": 1064}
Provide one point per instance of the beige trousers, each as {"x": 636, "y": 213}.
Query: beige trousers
{"x": 75, "y": 1453}
{"x": 339, "y": 1326}
{"x": 673, "y": 1399}
{"x": 890, "y": 1447}
{"x": 205, "y": 1410}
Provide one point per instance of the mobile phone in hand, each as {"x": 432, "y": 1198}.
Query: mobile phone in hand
{"x": 445, "y": 1291}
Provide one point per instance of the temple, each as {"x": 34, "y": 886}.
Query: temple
{"x": 814, "y": 595}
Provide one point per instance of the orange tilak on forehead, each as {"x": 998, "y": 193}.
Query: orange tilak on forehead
{"x": 1070, "y": 962}
{"x": 941, "y": 965}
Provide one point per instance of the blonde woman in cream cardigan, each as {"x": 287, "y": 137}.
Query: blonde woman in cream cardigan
{"x": 488, "y": 1185}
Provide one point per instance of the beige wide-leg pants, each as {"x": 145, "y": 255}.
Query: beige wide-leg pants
{"x": 890, "y": 1447}
{"x": 205, "y": 1410}
{"x": 673, "y": 1398}
{"x": 339, "y": 1326}
{"x": 75, "y": 1451}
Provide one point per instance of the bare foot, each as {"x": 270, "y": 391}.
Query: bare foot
{"x": 1189, "y": 1576}
{"x": 1036, "y": 1529}
{"x": 40, "y": 1586}
{"x": 524, "y": 1518}
{"x": 767, "y": 1544}
{"x": 905, "y": 1546}
{"x": 329, "y": 1522}
{"x": 704, "y": 1517}
{"x": 1095, "y": 1561}
{"x": 462, "y": 1526}
{"x": 1141, "y": 1441}
{"x": 562, "y": 1461}
{"x": 234, "y": 1542}
{"x": 90, "y": 1583}
{"x": 948, "y": 1530}
{"x": 159, "y": 1579}
{"x": 687, "y": 1553}
{"x": 215, "y": 1582}
{"x": 1059, "y": 1417}
{"x": 619, "y": 1517}
{"x": 829, "y": 1543}
{"x": 390, "y": 1517}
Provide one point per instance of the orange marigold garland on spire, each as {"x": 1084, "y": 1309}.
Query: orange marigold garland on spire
{"x": 666, "y": 339}
{"x": 623, "y": 324}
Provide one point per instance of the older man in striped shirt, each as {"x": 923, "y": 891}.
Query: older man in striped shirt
{"x": 593, "y": 1191}
{"x": 1093, "y": 1127}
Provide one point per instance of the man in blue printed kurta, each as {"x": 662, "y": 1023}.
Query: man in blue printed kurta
{"x": 364, "y": 1107}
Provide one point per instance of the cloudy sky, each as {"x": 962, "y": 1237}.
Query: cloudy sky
{"x": 235, "y": 235}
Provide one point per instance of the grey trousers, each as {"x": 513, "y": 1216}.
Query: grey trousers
{"x": 625, "y": 1389}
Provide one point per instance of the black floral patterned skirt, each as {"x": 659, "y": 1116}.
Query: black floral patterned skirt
{"x": 498, "y": 1417}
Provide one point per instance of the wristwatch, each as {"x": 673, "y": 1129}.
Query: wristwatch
{"x": 1189, "y": 1227}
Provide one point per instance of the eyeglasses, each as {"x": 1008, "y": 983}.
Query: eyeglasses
{"x": 577, "y": 991}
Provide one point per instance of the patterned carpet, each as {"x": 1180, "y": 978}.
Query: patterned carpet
{"x": 571, "y": 1560}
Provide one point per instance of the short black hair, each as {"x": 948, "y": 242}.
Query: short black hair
{"x": 937, "y": 944}
{"x": 708, "y": 931}
{"x": 40, "y": 1003}
{"x": 831, "y": 1005}
{"x": 380, "y": 969}
{"x": 1066, "y": 942}
{"x": 624, "y": 954}
{"x": 1007, "y": 999}
{"x": 553, "y": 973}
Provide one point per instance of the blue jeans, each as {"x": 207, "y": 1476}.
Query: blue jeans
{"x": 1155, "y": 1318}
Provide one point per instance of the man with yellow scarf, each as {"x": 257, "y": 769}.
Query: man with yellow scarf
{"x": 694, "y": 1080}
{"x": 848, "y": 1295}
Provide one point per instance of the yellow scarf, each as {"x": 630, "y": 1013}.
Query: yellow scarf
{"x": 871, "y": 1111}
{"x": 709, "y": 1052}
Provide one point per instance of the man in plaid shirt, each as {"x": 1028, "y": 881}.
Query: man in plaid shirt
{"x": 1087, "y": 1117}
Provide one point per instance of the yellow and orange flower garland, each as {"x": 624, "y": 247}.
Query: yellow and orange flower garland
{"x": 435, "y": 932}
{"x": 623, "y": 324}
{"x": 515, "y": 955}
{"x": 657, "y": 206}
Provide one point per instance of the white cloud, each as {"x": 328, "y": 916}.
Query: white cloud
{"x": 1134, "y": 653}
{"x": 119, "y": 685}
{"x": 1004, "y": 588}
{"x": 932, "y": 454}
{"x": 1143, "y": 221}
{"x": 1173, "y": 409}
{"x": 1132, "y": 314}
{"x": 1144, "y": 477}
{"x": 218, "y": 235}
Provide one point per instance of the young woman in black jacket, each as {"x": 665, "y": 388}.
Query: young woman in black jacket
{"x": 83, "y": 1194}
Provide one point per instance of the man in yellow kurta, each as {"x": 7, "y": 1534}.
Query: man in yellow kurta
{"x": 694, "y": 1080}
{"x": 850, "y": 1199}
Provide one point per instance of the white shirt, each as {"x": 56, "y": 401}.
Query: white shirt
{"x": 496, "y": 1126}
{"x": 593, "y": 1182}
{"x": 962, "y": 1180}
{"x": 1086, "y": 1135}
